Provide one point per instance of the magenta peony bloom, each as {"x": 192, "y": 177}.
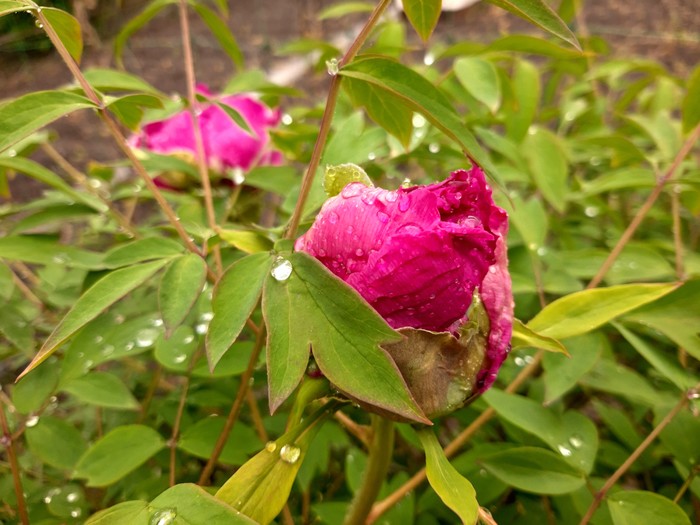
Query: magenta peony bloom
{"x": 226, "y": 145}
{"x": 418, "y": 254}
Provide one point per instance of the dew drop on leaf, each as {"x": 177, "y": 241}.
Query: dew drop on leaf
{"x": 270, "y": 446}
{"x": 281, "y": 269}
{"x": 290, "y": 453}
{"x": 163, "y": 517}
{"x": 31, "y": 421}
{"x": 564, "y": 451}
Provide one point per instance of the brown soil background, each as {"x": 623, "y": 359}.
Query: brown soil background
{"x": 664, "y": 30}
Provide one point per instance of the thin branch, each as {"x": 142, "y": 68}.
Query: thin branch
{"x": 255, "y": 416}
{"x": 200, "y": 154}
{"x": 485, "y": 517}
{"x": 600, "y": 495}
{"x": 361, "y": 432}
{"x": 172, "y": 443}
{"x": 645, "y": 208}
{"x": 235, "y": 410}
{"x": 325, "y": 126}
{"x": 14, "y": 466}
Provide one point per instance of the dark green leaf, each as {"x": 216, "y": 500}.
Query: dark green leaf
{"x": 423, "y": 15}
{"x": 67, "y": 28}
{"x": 222, "y": 34}
{"x": 24, "y": 115}
{"x": 393, "y": 116}
{"x": 102, "y": 389}
{"x": 548, "y": 166}
{"x": 129, "y": 108}
{"x": 585, "y": 311}
{"x": 117, "y": 453}
{"x": 180, "y": 287}
{"x": 540, "y": 14}
{"x": 454, "y": 490}
{"x": 526, "y": 92}
{"x": 616, "y": 379}
{"x": 56, "y": 442}
{"x": 105, "y": 292}
{"x": 632, "y": 507}
{"x": 420, "y": 95}
{"x": 563, "y": 372}
{"x": 534, "y": 470}
{"x": 480, "y": 78}
{"x": 175, "y": 353}
{"x": 235, "y": 297}
{"x": 32, "y": 391}
{"x": 200, "y": 438}
{"x": 306, "y": 307}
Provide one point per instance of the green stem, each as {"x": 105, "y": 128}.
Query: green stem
{"x": 380, "y": 452}
{"x": 325, "y": 127}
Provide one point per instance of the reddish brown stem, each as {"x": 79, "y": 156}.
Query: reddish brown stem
{"x": 14, "y": 467}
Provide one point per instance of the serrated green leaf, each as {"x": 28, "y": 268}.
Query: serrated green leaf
{"x": 180, "y": 287}
{"x": 423, "y": 15}
{"x": 540, "y": 14}
{"x": 391, "y": 115}
{"x": 117, "y": 453}
{"x": 534, "y": 470}
{"x": 24, "y": 115}
{"x": 420, "y": 95}
{"x": 102, "y": 389}
{"x": 67, "y": 28}
{"x": 56, "y": 442}
{"x": 585, "y": 311}
{"x": 313, "y": 309}
{"x": 235, "y": 297}
{"x": 105, "y": 292}
{"x": 480, "y": 78}
{"x": 454, "y": 490}
{"x": 632, "y": 507}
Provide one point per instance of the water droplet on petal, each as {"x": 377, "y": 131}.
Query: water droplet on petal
{"x": 359, "y": 252}
{"x": 404, "y": 203}
{"x": 383, "y": 217}
{"x": 31, "y": 421}
{"x": 281, "y": 269}
{"x": 270, "y": 446}
{"x": 333, "y": 217}
{"x": 290, "y": 453}
{"x": 163, "y": 517}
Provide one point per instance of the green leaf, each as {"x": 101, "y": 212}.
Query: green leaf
{"x": 200, "y": 439}
{"x": 526, "y": 92}
{"x": 235, "y": 296}
{"x": 239, "y": 119}
{"x": 540, "y": 14}
{"x": 56, "y": 442}
{"x": 423, "y": 15}
{"x": 480, "y": 78}
{"x": 102, "y": 389}
{"x": 248, "y": 241}
{"x": 129, "y": 108}
{"x": 548, "y": 166}
{"x": 391, "y": 115}
{"x": 142, "y": 250}
{"x": 337, "y": 177}
{"x": 677, "y": 316}
{"x": 632, "y": 507}
{"x": 67, "y": 28}
{"x": 42, "y": 250}
{"x": 312, "y": 308}
{"x": 100, "y": 296}
{"x": 572, "y": 435}
{"x": 523, "y": 337}
{"x": 585, "y": 311}
{"x": 563, "y": 372}
{"x": 454, "y": 490}
{"x": 117, "y": 453}
{"x": 534, "y": 470}
{"x": 175, "y": 353}
{"x": 260, "y": 488}
{"x": 136, "y": 23}
{"x": 126, "y": 513}
{"x": 7, "y": 7}
{"x": 345, "y": 8}
{"x": 180, "y": 287}
{"x": 667, "y": 367}
{"x": 691, "y": 101}
{"x": 420, "y": 95}
{"x": 113, "y": 80}
{"x": 192, "y": 505}
{"x": 32, "y": 391}
{"x": 222, "y": 34}
{"x": 24, "y": 115}
{"x": 611, "y": 377}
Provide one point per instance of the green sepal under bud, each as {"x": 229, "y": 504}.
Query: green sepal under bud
{"x": 337, "y": 177}
{"x": 441, "y": 370}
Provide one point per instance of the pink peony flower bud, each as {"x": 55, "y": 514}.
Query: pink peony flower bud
{"x": 226, "y": 145}
{"x": 417, "y": 255}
